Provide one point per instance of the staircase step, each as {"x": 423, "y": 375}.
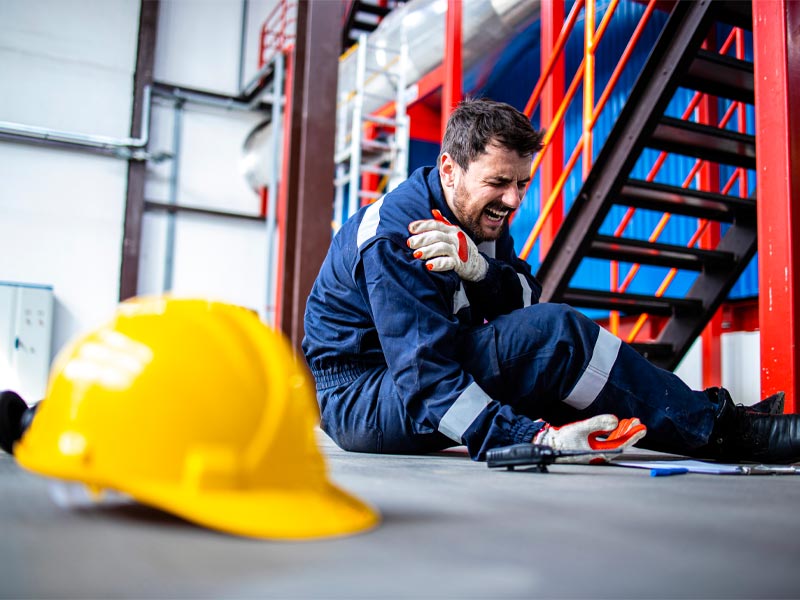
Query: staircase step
{"x": 721, "y": 76}
{"x": 703, "y": 141}
{"x": 735, "y": 13}
{"x": 372, "y": 9}
{"x": 688, "y": 202}
{"x": 631, "y": 303}
{"x": 654, "y": 253}
{"x": 365, "y": 26}
{"x": 653, "y": 351}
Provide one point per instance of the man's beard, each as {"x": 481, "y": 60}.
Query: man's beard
{"x": 472, "y": 224}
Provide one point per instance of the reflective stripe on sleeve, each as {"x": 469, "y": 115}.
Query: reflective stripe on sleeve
{"x": 460, "y": 299}
{"x": 605, "y": 352}
{"x": 369, "y": 224}
{"x": 463, "y": 412}
{"x": 527, "y": 294}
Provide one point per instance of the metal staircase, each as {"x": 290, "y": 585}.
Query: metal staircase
{"x": 364, "y": 16}
{"x": 677, "y": 60}
{"x": 371, "y": 144}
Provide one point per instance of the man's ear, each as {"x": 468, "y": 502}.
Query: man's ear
{"x": 447, "y": 170}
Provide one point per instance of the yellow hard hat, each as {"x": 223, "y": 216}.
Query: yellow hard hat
{"x": 197, "y": 408}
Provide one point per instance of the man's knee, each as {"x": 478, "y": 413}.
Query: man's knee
{"x": 356, "y": 439}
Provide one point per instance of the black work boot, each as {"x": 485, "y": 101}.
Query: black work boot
{"x": 773, "y": 405}
{"x": 745, "y": 434}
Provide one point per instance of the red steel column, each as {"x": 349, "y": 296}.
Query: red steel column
{"x": 709, "y": 181}
{"x": 452, "y": 88}
{"x": 310, "y": 124}
{"x": 777, "y": 93}
{"x": 552, "y": 19}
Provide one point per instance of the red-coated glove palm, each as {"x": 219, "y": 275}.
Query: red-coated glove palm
{"x": 602, "y": 432}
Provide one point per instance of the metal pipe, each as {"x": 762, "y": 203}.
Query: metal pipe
{"x": 126, "y": 148}
{"x": 169, "y": 243}
{"x": 174, "y": 92}
{"x": 243, "y": 41}
{"x": 272, "y": 197}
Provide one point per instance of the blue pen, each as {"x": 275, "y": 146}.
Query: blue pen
{"x": 667, "y": 471}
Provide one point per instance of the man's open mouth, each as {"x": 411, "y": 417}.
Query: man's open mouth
{"x": 495, "y": 215}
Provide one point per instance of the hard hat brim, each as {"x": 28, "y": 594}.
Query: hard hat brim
{"x": 290, "y": 514}
{"x": 318, "y": 511}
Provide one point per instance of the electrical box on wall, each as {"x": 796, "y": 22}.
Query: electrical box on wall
{"x": 26, "y": 327}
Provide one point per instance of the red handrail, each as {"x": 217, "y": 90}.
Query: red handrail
{"x": 274, "y": 36}
{"x": 566, "y": 30}
{"x": 546, "y": 210}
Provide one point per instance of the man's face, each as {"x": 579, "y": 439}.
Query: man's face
{"x": 483, "y": 196}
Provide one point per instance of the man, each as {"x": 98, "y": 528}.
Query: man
{"x": 423, "y": 329}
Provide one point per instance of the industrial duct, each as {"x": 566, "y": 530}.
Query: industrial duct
{"x": 488, "y": 26}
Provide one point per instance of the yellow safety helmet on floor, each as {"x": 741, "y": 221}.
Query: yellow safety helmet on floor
{"x": 197, "y": 408}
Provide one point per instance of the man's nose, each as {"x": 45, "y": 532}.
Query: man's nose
{"x": 511, "y": 197}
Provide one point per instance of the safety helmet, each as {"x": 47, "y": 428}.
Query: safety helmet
{"x": 199, "y": 409}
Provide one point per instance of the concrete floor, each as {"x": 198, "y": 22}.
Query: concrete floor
{"x": 451, "y": 529}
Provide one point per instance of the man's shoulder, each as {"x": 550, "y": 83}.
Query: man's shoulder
{"x": 389, "y": 217}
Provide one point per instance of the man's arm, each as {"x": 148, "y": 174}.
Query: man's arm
{"x": 508, "y": 285}
{"x": 412, "y": 309}
{"x": 496, "y": 279}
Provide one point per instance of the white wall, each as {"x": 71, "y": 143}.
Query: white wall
{"x": 69, "y": 65}
{"x": 741, "y": 373}
{"x": 198, "y": 47}
{"x": 65, "y": 64}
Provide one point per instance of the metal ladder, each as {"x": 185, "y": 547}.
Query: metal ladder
{"x": 367, "y": 141}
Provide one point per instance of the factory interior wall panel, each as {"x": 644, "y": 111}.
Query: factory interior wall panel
{"x": 215, "y": 258}
{"x": 198, "y": 44}
{"x": 690, "y": 369}
{"x": 210, "y": 162}
{"x": 741, "y": 360}
{"x": 66, "y": 65}
{"x": 62, "y": 226}
{"x": 208, "y": 250}
{"x": 740, "y": 366}
{"x": 153, "y": 252}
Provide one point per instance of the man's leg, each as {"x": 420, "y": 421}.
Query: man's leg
{"x": 558, "y": 365}
{"x": 366, "y": 414}
{"x": 553, "y": 363}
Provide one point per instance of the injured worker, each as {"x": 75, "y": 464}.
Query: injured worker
{"x": 423, "y": 330}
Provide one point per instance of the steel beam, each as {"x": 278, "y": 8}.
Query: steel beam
{"x": 711, "y": 350}
{"x": 452, "y": 89}
{"x": 134, "y": 202}
{"x": 553, "y": 96}
{"x": 777, "y": 92}
{"x": 309, "y": 172}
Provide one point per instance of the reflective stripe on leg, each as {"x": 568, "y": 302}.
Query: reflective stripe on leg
{"x": 588, "y": 387}
{"x": 463, "y": 412}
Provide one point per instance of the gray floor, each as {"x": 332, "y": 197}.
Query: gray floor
{"x": 451, "y": 529}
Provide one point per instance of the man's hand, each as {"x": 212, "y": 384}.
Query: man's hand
{"x": 603, "y": 432}
{"x": 445, "y": 247}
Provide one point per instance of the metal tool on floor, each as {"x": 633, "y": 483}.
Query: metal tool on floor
{"x": 537, "y": 455}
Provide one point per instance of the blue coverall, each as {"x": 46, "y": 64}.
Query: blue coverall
{"x": 407, "y": 360}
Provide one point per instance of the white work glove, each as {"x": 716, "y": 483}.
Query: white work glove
{"x": 445, "y": 247}
{"x": 587, "y": 434}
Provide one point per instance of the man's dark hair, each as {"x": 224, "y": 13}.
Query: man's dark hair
{"x": 475, "y": 123}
